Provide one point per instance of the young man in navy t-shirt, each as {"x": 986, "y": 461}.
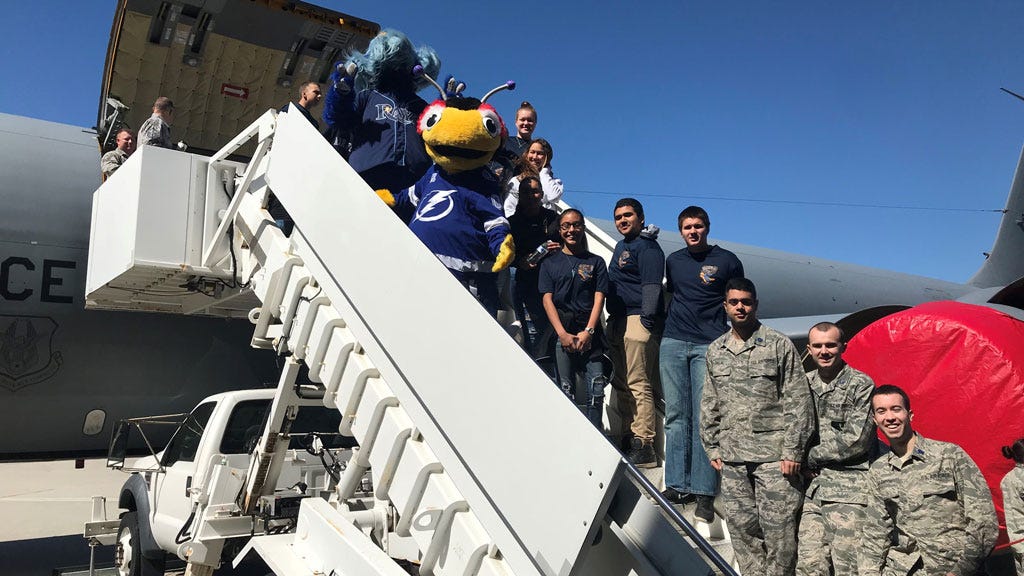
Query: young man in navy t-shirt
{"x": 634, "y": 306}
{"x": 695, "y": 277}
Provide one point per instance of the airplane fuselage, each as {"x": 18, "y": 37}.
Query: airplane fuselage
{"x": 67, "y": 374}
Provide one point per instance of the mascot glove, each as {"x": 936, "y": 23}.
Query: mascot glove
{"x": 386, "y": 195}
{"x": 506, "y": 254}
{"x": 453, "y": 88}
{"x": 343, "y": 77}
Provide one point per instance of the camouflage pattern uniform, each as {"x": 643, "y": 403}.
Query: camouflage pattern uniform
{"x": 928, "y": 513}
{"x": 834, "y": 505}
{"x": 111, "y": 161}
{"x": 757, "y": 410}
{"x": 155, "y": 132}
{"x": 1013, "y": 506}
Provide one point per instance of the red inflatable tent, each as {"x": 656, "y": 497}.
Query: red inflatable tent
{"x": 963, "y": 367}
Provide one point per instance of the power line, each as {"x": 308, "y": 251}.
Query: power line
{"x": 797, "y": 202}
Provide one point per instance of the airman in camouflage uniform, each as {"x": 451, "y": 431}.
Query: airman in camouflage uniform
{"x": 1012, "y": 487}
{"x": 111, "y": 161}
{"x": 756, "y": 419}
{"x": 156, "y": 130}
{"x": 1013, "y": 502}
{"x": 833, "y": 511}
{"x": 929, "y": 510}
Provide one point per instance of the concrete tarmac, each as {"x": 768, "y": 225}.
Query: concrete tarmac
{"x": 45, "y": 506}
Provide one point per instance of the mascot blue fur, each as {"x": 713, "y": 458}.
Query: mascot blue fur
{"x": 456, "y": 206}
{"x": 372, "y": 103}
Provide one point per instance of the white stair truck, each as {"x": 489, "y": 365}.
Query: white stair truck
{"x": 477, "y": 463}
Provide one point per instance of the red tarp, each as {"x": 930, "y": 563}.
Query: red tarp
{"x": 963, "y": 367}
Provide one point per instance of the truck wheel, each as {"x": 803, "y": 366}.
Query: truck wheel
{"x": 128, "y": 556}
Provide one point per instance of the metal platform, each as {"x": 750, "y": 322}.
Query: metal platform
{"x": 147, "y": 236}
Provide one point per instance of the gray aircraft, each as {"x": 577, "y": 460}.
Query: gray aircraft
{"x": 66, "y": 373}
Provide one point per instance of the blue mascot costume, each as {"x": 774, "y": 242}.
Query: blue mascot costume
{"x": 372, "y": 102}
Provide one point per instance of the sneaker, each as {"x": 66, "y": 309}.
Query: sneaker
{"x": 676, "y": 497}
{"x": 625, "y": 442}
{"x": 705, "y": 508}
{"x": 641, "y": 454}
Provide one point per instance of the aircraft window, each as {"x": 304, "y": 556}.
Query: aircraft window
{"x": 248, "y": 418}
{"x": 185, "y": 442}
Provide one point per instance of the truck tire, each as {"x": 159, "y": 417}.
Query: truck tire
{"x": 128, "y": 557}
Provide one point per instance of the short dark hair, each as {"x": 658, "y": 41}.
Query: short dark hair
{"x": 825, "y": 327}
{"x": 568, "y": 211}
{"x": 163, "y": 104}
{"x": 886, "y": 389}
{"x": 694, "y": 212}
{"x": 632, "y": 203}
{"x": 1015, "y": 451}
{"x": 530, "y": 178}
{"x": 741, "y": 284}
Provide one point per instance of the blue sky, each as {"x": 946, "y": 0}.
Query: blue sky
{"x": 782, "y": 119}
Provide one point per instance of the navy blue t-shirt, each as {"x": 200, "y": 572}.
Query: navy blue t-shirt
{"x": 635, "y": 263}
{"x": 572, "y": 282}
{"x": 697, "y": 284}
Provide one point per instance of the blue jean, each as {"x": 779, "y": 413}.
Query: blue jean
{"x": 572, "y": 364}
{"x": 687, "y": 468}
{"x": 527, "y": 300}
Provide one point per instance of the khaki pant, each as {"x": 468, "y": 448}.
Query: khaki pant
{"x": 634, "y": 353}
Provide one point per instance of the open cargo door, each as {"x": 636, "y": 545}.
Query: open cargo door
{"x": 222, "y": 62}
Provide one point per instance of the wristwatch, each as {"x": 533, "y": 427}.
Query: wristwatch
{"x": 590, "y": 330}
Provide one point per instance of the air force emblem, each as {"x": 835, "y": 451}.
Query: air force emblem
{"x": 624, "y": 258}
{"x": 707, "y": 274}
{"x": 25, "y": 351}
{"x": 585, "y": 271}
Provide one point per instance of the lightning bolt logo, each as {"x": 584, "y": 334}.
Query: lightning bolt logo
{"x": 440, "y": 197}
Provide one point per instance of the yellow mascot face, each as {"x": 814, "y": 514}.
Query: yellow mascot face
{"x": 461, "y": 134}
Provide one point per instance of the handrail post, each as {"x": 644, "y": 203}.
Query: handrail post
{"x": 705, "y": 547}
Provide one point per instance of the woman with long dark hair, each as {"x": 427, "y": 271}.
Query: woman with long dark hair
{"x": 573, "y": 282}
{"x": 536, "y": 161}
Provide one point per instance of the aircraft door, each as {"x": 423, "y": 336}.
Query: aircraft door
{"x": 171, "y": 504}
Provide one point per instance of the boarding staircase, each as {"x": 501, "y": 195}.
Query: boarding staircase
{"x": 484, "y": 464}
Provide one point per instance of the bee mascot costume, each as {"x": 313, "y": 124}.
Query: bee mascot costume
{"x": 456, "y": 206}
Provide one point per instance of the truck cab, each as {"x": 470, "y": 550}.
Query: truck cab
{"x": 219, "y": 434}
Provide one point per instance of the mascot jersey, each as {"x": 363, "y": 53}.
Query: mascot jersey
{"x": 458, "y": 217}
{"x": 387, "y": 151}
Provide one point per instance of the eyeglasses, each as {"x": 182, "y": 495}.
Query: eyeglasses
{"x": 571, "y": 226}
